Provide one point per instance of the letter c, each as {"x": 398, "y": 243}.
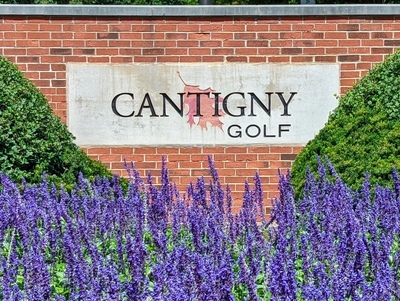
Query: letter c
{"x": 114, "y": 105}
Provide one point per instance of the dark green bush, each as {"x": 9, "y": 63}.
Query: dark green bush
{"x": 33, "y": 140}
{"x": 363, "y": 132}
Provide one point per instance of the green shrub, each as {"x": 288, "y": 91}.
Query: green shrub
{"x": 363, "y": 132}
{"x": 33, "y": 140}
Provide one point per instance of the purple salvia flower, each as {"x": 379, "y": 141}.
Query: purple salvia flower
{"x": 136, "y": 258}
{"x": 283, "y": 282}
{"x": 258, "y": 198}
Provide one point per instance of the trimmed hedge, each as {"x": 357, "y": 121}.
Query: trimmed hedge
{"x": 33, "y": 140}
{"x": 363, "y": 132}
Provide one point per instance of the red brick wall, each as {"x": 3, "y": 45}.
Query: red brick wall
{"x": 42, "y": 46}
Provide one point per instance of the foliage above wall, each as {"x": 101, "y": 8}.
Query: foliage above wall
{"x": 33, "y": 140}
{"x": 363, "y": 133}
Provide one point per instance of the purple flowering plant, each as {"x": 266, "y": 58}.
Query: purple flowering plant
{"x": 151, "y": 242}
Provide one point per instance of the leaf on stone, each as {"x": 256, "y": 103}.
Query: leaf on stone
{"x": 207, "y": 106}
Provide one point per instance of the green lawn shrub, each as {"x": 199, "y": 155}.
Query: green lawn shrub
{"x": 33, "y": 140}
{"x": 363, "y": 133}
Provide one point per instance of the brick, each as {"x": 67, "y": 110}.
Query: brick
{"x": 61, "y": 51}
{"x": 153, "y": 51}
{"x": 106, "y": 51}
{"x": 26, "y": 27}
{"x": 257, "y": 59}
{"x": 302, "y": 59}
{"x": 58, "y": 67}
{"x": 38, "y": 67}
{"x": 374, "y": 43}
{"x": 281, "y": 149}
{"x": 359, "y": 50}
{"x": 176, "y": 36}
{"x": 222, "y": 36}
{"x": 359, "y": 35}
{"x": 190, "y": 59}
{"x": 391, "y": 26}
{"x": 145, "y": 59}
{"x": 281, "y": 43}
{"x": 246, "y": 51}
{"x": 96, "y": 43}
{"x": 7, "y": 27}
{"x": 212, "y": 150}
{"x": 267, "y": 35}
{"x": 42, "y": 52}
{"x": 304, "y": 43}
{"x": 28, "y": 59}
{"x": 212, "y": 59}
{"x": 326, "y": 43}
{"x": 338, "y": 50}
{"x": 62, "y": 35}
{"x": 7, "y": 43}
{"x": 85, "y": 35}
{"x": 84, "y": 51}
{"x": 120, "y": 27}
{"x": 153, "y": 35}
{"x": 192, "y": 43}
{"x": 38, "y": 35}
{"x": 75, "y": 28}
{"x": 51, "y": 43}
{"x": 130, "y": 51}
{"x": 199, "y": 36}
{"x": 382, "y": 50}
{"x": 325, "y": 27}
{"x": 32, "y": 75}
{"x": 381, "y": 35}
{"x": 248, "y": 172}
{"x": 256, "y": 165}
{"x": 335, "y": 35}
{"x": 27, "y": 43}
{"x": 280, "y": 27}
{"x": 234, "y": 28}
{"x": 269, "y": 157}
{"x": 313, "y": 51}
{"x": 165, "y": 44}
{"x": 257, "y": 43}
{"x": 348, "y": 27}
{"x": 371, "y": 27}
{"x": 245, "y": 36}
{"x": 211, "y": 44}
{"x": 211, "y": 27}
{"x": 391, "y": 42}
{"x": 96, "y": 28}
{"x": 372, "y": 58}
{"x": 47, "y": 75}
{"x": 199, "y": 51}
{"x": 349, "y": 43}
{"x": 233, "y": 149}
{"x": 108, "y": 35}
{"x": 75, "y": 59}
{"x": 327, "y": 58}
{"x": 312, "y": 35}
{"x": 222, "y": 51}
{"x": 291, "y": 51}
{"x": 279, "y": 59}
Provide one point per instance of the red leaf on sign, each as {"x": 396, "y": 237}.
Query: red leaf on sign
{"x": 207, "y": 106}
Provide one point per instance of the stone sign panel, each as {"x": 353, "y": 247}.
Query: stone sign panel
{"x": 199, "y": 104}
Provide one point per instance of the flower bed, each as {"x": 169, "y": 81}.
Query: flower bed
{"x": 153, "y": 243}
